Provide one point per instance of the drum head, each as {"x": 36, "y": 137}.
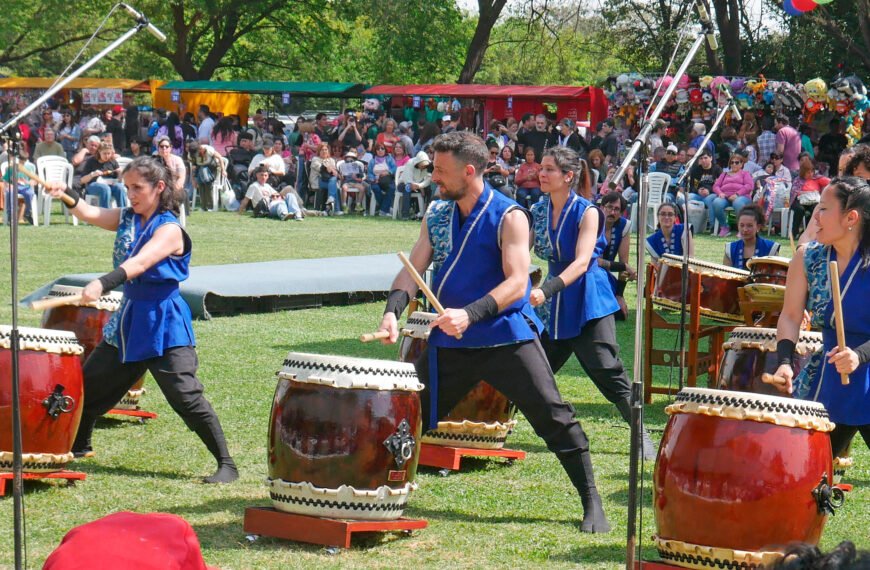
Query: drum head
{"x": 769, "y": 260}
{"x": 350, "y": 373}
{"x": 418, "y": 325}
{"x": 44, "y": 340}
{"x": 110, "y": 301}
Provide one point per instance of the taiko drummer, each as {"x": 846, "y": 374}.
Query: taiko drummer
{"x": 152, "y": 330}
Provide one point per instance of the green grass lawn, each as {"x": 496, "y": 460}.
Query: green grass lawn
{"x": 488, "y": 516}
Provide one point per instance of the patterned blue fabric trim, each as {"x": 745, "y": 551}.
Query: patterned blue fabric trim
{"x": 439, "y": 218}
{"x": 818, "y": 298}
{"x": 543, "y": 247}
{"x": 123, "y": 242}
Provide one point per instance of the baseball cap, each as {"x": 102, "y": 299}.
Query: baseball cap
{"x": 445, "y": 118}
{"x": 350, "y": 153}
{"x": 117, "y": 109}
{"x": 672, "y": 148}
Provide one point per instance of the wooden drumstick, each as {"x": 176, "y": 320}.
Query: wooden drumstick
{"x": 368, "y": 337}
{"x": 66, "y": 199}
{"x": 52, "y": 302}
{"x": 422, "y": 284}
{"x": 772, "y": 379}
{"x": 834, "y": 272}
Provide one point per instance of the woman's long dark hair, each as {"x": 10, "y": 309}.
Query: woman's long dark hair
{"x": 224, "y": 128}
{"x": 171, "y": 123}
{"x": 153, "y": 170}
{"x": 853, "y": 193}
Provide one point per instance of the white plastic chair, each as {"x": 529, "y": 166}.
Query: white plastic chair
{"x": 593, "y": 179}
{"x": 397, "y": 198}
{"x": 220, "y": 179}
{"x": 13, "y": 206}
{"x": 657, "y": 184}
{"x": 53, "y": 169}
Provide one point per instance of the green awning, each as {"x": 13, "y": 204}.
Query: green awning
{"x": 297, "y": 88}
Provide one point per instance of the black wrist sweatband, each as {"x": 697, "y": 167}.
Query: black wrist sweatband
{"x": 483, "y": 308}
{"x": 617, "y": 266}
{"x": 71, "y": 192}
{"x": 397, "y": 300}
{"x": 863, "y": 353}
{"x": 553, "y": 286}
{"x": 113, "y": 279}
{"x": 784, "y": 351}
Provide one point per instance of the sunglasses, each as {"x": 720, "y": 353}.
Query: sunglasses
{"x": 164, "y": 146}
{"x": 735, "y": 162}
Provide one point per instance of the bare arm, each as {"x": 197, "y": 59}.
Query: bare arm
{"x": 582, "y": 254}
{"x": 789, "y": 323}
{"x": 166, "y": 241}
{"x": 625, "y": 256}
{"x": 106, "y": 218}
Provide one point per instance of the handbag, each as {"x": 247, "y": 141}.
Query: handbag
{"x": 205, "y": 174}
{"x": 497, "y": 180}
{"x": 809, "y": 198}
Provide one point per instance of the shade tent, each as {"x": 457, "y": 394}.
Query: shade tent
{"x": 225, "y": 102}
{"x": 294, "y": 88}
{"x": 78, "y": 83}
{"x": 501, "y": 101}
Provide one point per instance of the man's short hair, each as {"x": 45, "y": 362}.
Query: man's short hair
{"x": 782, "y": 118}
{"x": 319, "y": 116}
{"x": 615, "y": 197}
{"x": 204, "y": 109}
{"x": 465, "y": 147}
{"x": 526, "y": 117}
{"x": 246, "y": 136}
{"x": 262, "y": 168}
{"x": 766, "y": 122}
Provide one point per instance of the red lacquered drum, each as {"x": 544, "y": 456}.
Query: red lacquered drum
{"x": 751, "y": 351}
{"x": 481, "y": 420}
{"x": 344, "y": 437}
{"x": 719, "y": 284}
{"x": 50, "y": 389}
{"x": 770, "y": 269}
{"x": 87, "y": 320}
{"x": 737, "y": 478}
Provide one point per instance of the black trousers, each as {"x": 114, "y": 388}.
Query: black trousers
{"x": 598, "y": 353}
{"x": 842, "y": 436}
{"x": 521, "y": 373}
{"x": 107, "y": 379}
{"x": 801, "y": 213}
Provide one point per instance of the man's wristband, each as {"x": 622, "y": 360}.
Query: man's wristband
{"x": 397, "y": 300}
{"x": 113, "y": 279}
{"x": 863, "y": 353}
{"x": 785, "y": 351}
{"x": 552, "y": 286}
{"x": 76, "y": 197}
{"x": 483, "y": 308}
{"x": 616, "y": 266}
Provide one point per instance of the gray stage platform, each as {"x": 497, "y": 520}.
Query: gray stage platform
{"x": 214, "y": 290}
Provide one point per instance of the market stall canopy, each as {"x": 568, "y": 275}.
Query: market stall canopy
{"x": 481, "y": 91}
{"x": 78, "y": 83}
{"x": 298, "y": 88}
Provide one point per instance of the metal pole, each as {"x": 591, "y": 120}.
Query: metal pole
{"x": 719, "y": 116}
{"x": 637, "y": 381}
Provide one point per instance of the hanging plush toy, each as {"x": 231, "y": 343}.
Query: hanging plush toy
{"x": 709, "y": 108}
{"x": 705, "y": 80}
{"x": 716, "y": 89}
{"x": 696, "y": 100}
{"x": 684, "y": 110}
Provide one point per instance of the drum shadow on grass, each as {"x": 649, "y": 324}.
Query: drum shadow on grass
{"x": 95, "y": 469}
{"x": 415, "y": 512}
{"x": 343, "y": 347}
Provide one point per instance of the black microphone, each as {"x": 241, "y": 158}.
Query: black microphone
{"x": 704, "y": 16}
{"x": 141, "y": 19}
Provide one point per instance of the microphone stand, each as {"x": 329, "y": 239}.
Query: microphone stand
{"x": 10, "y": 133}
{"x": 639, "y": 143}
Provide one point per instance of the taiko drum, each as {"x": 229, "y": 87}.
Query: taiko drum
{"x": 718, "y": 284}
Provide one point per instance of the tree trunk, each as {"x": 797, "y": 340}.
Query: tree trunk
{"x": 489, "y": 11}
{"x": 727, "y": 13}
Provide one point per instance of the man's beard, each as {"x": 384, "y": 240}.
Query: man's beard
{"x": 453, "y": 194}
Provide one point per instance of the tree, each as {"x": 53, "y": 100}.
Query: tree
{"x": 488, "y": 13}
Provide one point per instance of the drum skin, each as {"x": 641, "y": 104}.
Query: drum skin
{"x": 87, "y": 323}
{"x": 743, "y": 485}
{"x": 331, "y": 437}
{"x": 39, "y": 373}
{"x": 482, "y": 404}
{"x": 771, "y": 270}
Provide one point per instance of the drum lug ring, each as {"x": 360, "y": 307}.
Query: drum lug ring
{"x": 401, "y": 444}
{"x": 57, "y": 402}
{"x": 828, "y": 498}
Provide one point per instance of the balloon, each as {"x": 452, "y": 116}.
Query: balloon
{"x": 804, "y": 5}
{"x": 824, "y": 1}
{"x": 790, "y": 9}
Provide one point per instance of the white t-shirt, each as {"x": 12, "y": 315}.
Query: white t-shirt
{"x": 274, "y": 163}
{"x": 204, "y": 131}
{"x": 351, "y": 170}
{"x": 258, "y": 192}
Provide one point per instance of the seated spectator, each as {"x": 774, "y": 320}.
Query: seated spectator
{"x": 347, "y": 132}
{"x": 596, "y": 162}
{"x": 526, "y": 178}
{"x": 673, "y": 168}
{"x": 266, "y": 201}
{"x": 223, "y": 136}
{"x": 699, "y": 131}
{"x": 415, "y": 178}
{"x": 732, "y": 189}
{"x": 137, "y": 147}
{"x": 389, "y": 137}
{"x": 381, "y": 179}
{"x": 172, "y": 130}
{"x": 405, "y": 134}
{"x": 24, "y": 188}
{"x": 49, "y": 146}
{"x": 702, "y": 177}
{"x": 69, "y": 134}
{"x": 352, "y": 178}
{"x": 495, "y": 173}
{"x": 101, "y": 177}
{"x": 240, "y": 158}
{"x": 507, "y": 159}
{"x": 273, "y": 162}
{"x": 400, "y": 157}
{"x": 806, "y": 192}
{"x": 289, "y": 159}
{"x": 205, "y": 164}
{"x": 323, "y": 179}
{"x": 176, "y": 166}
{"x": 257, "y": 130}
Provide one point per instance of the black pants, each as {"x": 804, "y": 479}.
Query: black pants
{"x": 107, "y": 379}
{"x": 521, "y": 373}
{"x": 598, "y": 353}
{"x": 842, "y": 436}
{"x": 801, "y": 213}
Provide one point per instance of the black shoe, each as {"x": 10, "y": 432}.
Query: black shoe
{"x": 84, "y": 453}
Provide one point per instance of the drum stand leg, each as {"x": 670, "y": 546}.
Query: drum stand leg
{"x": 445, "y": 457}
{"x": 266, "y": 521}
{"x": 141, "y": 414}
{"x": 70, "y": 476}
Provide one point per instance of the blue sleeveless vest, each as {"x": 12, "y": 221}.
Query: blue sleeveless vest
{"x": 614, "y": 240}
{"x": 153, "y": 316}
{"x": 657, "y": 245}
{"x": 591, "y": 296}
{"x": 467, "y": 265}
{"x": 763, "y": 247}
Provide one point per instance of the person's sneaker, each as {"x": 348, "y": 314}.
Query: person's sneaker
{"x": 724, "y": 232}
{"x": 84, "y": 453}
{"x": 287, "y": 216}
{"x": 339, "y": 213}
{"x": 299, "y": 217}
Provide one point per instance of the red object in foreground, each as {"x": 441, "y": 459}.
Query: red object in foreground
{"x": 450, "y": 457}
{"x": 737, "y": 484}
{"x": 267, "y": 521}
{"x": 70, "y": 476}
{"x": 153, "y": 541}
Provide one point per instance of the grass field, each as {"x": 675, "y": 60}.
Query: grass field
{"x": 488, "y": 516}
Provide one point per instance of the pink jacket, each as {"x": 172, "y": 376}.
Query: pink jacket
{"x": 730, "y": 184}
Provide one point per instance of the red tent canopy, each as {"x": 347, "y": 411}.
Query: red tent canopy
{"x": 579, "y": 103}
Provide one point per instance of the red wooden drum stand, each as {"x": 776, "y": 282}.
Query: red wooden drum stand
{"x": 87, "y": 320}
{"x": 50, "y": 389}
{"x": 481, "y": 420}
{"x": 739, "y": 476}
{"x": 344, "y": 437}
